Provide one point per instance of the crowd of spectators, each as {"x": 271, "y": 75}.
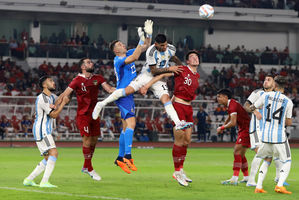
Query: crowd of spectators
{"x": 242, "y": 79}
{"x": 58, "y": 45}
{"x": 77, "y": 47}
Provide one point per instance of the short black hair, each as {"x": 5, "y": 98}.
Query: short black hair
{"x": 225, "y": 92}
{"x": 281, "y": 81}
{"x": 81, "y": 61}
{"x": 112, "y": 44}
{"x": 190, "y": 52}
{"x": 160, "y": 38}
{"x": 270, "y": 75}
{"x": 42, "y": 80}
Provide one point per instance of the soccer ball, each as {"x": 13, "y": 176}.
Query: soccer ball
{"x": 206, "y": 11}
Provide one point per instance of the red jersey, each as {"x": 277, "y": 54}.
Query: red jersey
{"x": 243, "y": 118}
{"x": 186, "y": 83}
{"x": 87, "y": 90}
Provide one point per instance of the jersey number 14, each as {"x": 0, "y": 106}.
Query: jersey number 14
{"x": 275, "y": 115}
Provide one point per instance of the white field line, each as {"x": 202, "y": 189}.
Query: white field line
{"x": 63, "y": 193}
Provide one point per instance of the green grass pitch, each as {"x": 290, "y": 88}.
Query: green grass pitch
{"x": 153, "y": 180}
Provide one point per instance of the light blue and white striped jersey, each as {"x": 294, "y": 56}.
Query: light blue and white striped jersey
{"x": 254, "y": 123}
{"x": 43, "y": 123}
{"x": 276, "y": 108}
{"x": 160, "y": 59}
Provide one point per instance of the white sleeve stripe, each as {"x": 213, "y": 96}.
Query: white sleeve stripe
{"x": 234, "y": 113}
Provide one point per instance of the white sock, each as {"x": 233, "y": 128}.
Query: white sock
{"x": 284, "y": 173}
{"x": 49, "y": 169}
{"x": 254, "y": 168}
{"x": 114, "y": 96}
{"x": 278, "y": 165}
{"x": 171, "y": 112}
{"x": 40, "y": 167}
{"x": 262, "y": 174}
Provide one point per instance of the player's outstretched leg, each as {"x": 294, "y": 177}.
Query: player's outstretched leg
{"x": 111, "y": 98}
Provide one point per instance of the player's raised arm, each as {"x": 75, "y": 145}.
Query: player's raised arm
{"x": 148, "y": 29}
{"x": 143, "y": 43}
{"x": 67, "y": 92}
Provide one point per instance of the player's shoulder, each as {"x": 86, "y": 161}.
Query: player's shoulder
{"x": 171, "y": 47}
{"x": 78, "y": 77}
{"x": 117, "y": 59}
{"x": 99, "y": 77}
{"x": 130, "y": 52}
{"x": 42, "y": 98}
{"x": 287, "y": 98}
{"x": 258, "y": 91}
{"x": 151, "y": 50}
{"x": 234, "y": 102}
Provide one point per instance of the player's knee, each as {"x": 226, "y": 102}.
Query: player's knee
{"x": 53, "y": 152}
{"x": 164, "y": 98}
{"x": 129, "y": 90}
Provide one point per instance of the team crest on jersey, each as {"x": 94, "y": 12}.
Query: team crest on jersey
{"x": 163, "y": 57}
{"x": 95, "y": 82}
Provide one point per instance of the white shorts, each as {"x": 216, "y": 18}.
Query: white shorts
{"x": 255, "y": 139}
{"x": 159, "y": 88}
{"x": 46, "y": 144}
{"x": 281, "y": 151}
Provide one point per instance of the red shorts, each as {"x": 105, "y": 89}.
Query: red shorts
{"x": 185, "y": 112}
{"x": 243, "y": 139}
{"x": 88, "y": 126}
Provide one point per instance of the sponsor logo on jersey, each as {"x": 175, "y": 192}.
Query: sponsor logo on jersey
{"x": 95, "y": 82}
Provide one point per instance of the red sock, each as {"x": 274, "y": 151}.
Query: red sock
{"x": 183, "y": 156}
{"x": 92, "y": 148}
{"x": 176, "y": 155}
{"x": 237, "y": 164}
{"x": 87, "y": 158}
{"x": 244, "y": 167}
